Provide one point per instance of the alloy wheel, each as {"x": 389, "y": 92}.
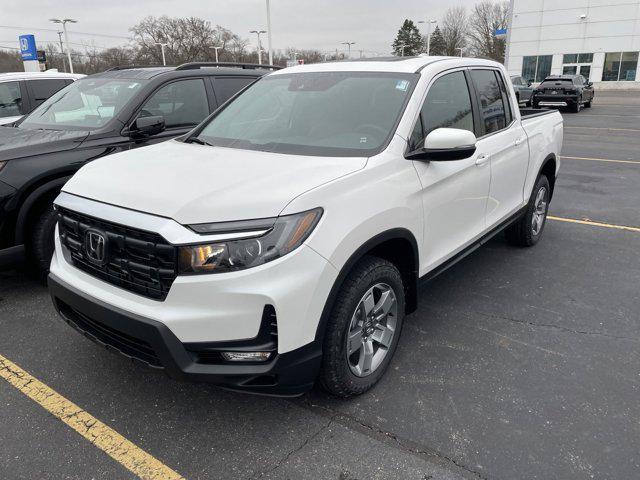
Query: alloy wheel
{"x": 372, "y": 330}
{"x": 540, "y": 211}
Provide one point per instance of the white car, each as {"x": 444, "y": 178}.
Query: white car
{"x": 22, "y": 92}
{"x": 282, "y": 241}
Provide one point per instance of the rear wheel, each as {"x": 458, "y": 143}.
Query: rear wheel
{"x": 587, "y": 104}
{"x": 527, "y": 231}
{"x": 364, "y": 328}
{"x": 575, "y": 108}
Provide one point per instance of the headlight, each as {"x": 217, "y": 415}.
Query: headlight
{"x": 286, "y": 234}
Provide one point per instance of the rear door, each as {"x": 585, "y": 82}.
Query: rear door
{"x": 502, "y": 142}
{"x": 454, "y": 193}
{"x": 227, "y": 86}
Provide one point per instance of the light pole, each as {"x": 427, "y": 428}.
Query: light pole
{"x": 348, "y": 44}
{"x": 429, "y": 23}
{"x": 216, "y": 49}
{"x": 258, "y": 32}
{"x": 461, "y": 50}
{"x": 402, "y": 46}
{"x": 64, "y": 64}
{"x": 162, "y": 45}
{"x": 64, "y": 22}
{"x": 269, "y": 33}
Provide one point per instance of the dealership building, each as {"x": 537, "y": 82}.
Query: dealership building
{"x": 599, "y": 39}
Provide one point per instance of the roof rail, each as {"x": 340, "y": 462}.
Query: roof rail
{"x": 129, "y": 67}
{"x": 252, "y": 66}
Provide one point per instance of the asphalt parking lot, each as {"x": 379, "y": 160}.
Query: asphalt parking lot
{"x": 519, "y": 364}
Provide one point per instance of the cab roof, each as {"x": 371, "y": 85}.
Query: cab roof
{"x": 387, "y": 64}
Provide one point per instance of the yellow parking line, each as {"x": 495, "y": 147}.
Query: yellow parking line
{"x": 105, "y": 438}
{"x": 590, "y": 159}
{"x": 594, "y": 224}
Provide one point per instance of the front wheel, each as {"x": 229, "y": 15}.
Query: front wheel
{"x": 527, "y": 231}
{"x": 41, "y": 244}
{"x": 364, "y": 328}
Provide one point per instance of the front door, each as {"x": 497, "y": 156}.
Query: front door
{"x": 454, "y": 193}
{"x": 182, "y": 103}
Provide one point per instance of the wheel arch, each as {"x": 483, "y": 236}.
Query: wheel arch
{"x": 31, "y": 204}
{"x": 399, "y": 246}
{"x": 548, "y": 169}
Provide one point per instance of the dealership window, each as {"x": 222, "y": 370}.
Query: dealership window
{"x": 536, "y": 68}
{"x": 620, "y": 66}
{"x": 577, "y": 64}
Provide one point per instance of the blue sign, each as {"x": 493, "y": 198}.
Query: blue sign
{"x": 500, "y": 33}
{"x": 28, "y": 47}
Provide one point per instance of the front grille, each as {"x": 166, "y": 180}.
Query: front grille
{"x": 126, "y": 344}
{"x": 138, "y": 261}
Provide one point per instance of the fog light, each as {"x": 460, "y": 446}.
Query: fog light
{"x": 246, "y": 356}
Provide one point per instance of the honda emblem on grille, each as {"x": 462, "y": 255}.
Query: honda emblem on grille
{"x": 95, "y": 247}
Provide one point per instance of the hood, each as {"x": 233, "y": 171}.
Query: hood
{"x": 22, "y": 142}
{"x": 194, "y": 183}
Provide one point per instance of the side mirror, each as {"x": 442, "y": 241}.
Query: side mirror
{"x": 529, "y": 83}
{"x": 147, "y": 126}
{"x": 589, "y": 84}
{"x": 446, "y": 144}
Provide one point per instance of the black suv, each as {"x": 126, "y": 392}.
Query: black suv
{"x": 120, "y": 109}
{"x": 571, "y": 91}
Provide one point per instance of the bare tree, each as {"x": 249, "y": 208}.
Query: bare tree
{"x": 487, "y": 17}
{"x": 454, "y": 30}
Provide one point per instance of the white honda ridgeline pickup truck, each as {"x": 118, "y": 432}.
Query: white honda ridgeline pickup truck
{"x": 281, "y": 242}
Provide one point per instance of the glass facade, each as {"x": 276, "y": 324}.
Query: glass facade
{"x": 620, "y": 66}
{"x": 536, "y": 68}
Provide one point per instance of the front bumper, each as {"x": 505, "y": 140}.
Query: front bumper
{"x": 153, "y": 344}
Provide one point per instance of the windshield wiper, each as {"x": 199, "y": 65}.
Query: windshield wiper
{"x": 199, "y": 141}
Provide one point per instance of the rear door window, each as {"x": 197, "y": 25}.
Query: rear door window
{"x": 227, "y": 87}
{"x": 40, "y": 90}
{"x": 491, "y": 102}
{"x": 10, "y": 99}
{"x": 182, "y": 103}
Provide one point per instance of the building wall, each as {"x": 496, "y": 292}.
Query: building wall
{"x": 558, "y": 27}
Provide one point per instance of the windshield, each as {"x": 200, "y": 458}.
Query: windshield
{"x": 86, "y": 104}
{"x": 333, "y": 114}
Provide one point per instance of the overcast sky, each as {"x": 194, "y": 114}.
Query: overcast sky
{"x": 303, "y": 24}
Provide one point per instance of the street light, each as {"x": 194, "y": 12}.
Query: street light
{"x": 461, "y": 50}
{"x": 348, "y": 44}
{"x": 216, "y": 49}
{"x": 64, "y": 22}
{"x": 258, "y": 32}
{"x": 269, "y": 33}
{"x": 162, "y": 45}
{"x": 429, "y": 23}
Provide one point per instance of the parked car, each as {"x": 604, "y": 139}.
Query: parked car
{"x": 571, "y": 91}
{"x": 523, "y": 90}
{"x": 283, "y": 240}
{"x": 22, "y": 92}
{"x": 117, "y": 110}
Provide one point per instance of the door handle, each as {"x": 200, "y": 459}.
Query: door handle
{"x": 519, "y": 141}
{"x": 482, "y": 159}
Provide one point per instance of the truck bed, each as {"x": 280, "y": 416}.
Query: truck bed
{"x": 534, "y": 112}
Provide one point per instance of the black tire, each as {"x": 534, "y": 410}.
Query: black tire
{"x": 41, "y": 242}
{"x": 523, "y": 233}
{"x": 576, "y": 107}
{"x": 535, "y": 104}
{"x": 587, "y": 104}
{"x": 336, "y": 375}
